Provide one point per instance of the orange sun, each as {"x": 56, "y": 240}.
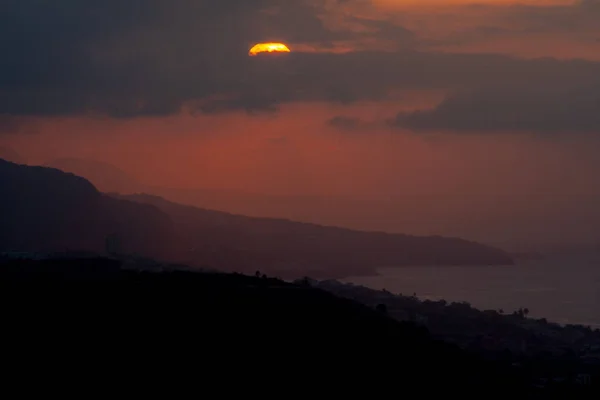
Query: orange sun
{"x": 268, "y": 48}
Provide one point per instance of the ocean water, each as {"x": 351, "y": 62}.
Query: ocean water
{"x": 565, "y": 290}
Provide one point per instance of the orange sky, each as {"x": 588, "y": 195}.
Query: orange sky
{"x": 294, "y": 153}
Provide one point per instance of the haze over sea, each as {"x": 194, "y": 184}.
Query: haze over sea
{"x": 561, "y": 289}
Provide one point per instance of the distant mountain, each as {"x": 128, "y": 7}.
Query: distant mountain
{"x": 44, "y": 209}
{"x": 326, "y": 210}
{"x": 106, "y": 177}
{"x": 8, "y": 154}
{"x": 287, "y": 248}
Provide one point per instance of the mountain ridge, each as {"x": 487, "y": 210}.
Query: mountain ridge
{"x": 45, "y": 209}
{"x": 314, "y": 247}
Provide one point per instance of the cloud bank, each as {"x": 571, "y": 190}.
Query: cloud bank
{"x": 156, "y": 57}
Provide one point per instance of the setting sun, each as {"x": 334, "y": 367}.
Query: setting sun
{"x": 268, "y": 48}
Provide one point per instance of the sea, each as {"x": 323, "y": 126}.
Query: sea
{"x": 565, "y": 290}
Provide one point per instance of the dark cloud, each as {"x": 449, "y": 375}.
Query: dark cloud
{"x": 353, "y": 124}
{"x": 385, "y": 30}
{"x": 148, "y": 57}
{"x": 547, "y": 110}
{"x": 151, "y": 57}
{"x": 578, "y": 17}
{"x": 577, "y": 22}
{"x": 346, "y": 123}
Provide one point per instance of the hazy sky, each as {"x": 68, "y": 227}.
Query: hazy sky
{"x": 475, "y": 118}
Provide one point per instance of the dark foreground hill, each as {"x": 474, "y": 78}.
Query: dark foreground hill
{"x": 92, "y": 316}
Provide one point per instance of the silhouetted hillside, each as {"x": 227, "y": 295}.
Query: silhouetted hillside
{"x": 287, "y": 248}
{"x": 44, "y": 209}
{"x": 106, "y": 177}
{"x": 233, "y": 327}
{"x": 8, "y": 154}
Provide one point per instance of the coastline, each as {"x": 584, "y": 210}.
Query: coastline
{"x": 484, "y": 330}
{"x": 559, "y": 290}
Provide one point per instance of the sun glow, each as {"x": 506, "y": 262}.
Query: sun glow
{"x": 268, "y": 48}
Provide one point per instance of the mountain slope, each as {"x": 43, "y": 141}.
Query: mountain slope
{"x": 8, "y": 154}
{"x": 289, "y": 248}
{"x": 106, "y": 177}
{"x": 46, "y": 210}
